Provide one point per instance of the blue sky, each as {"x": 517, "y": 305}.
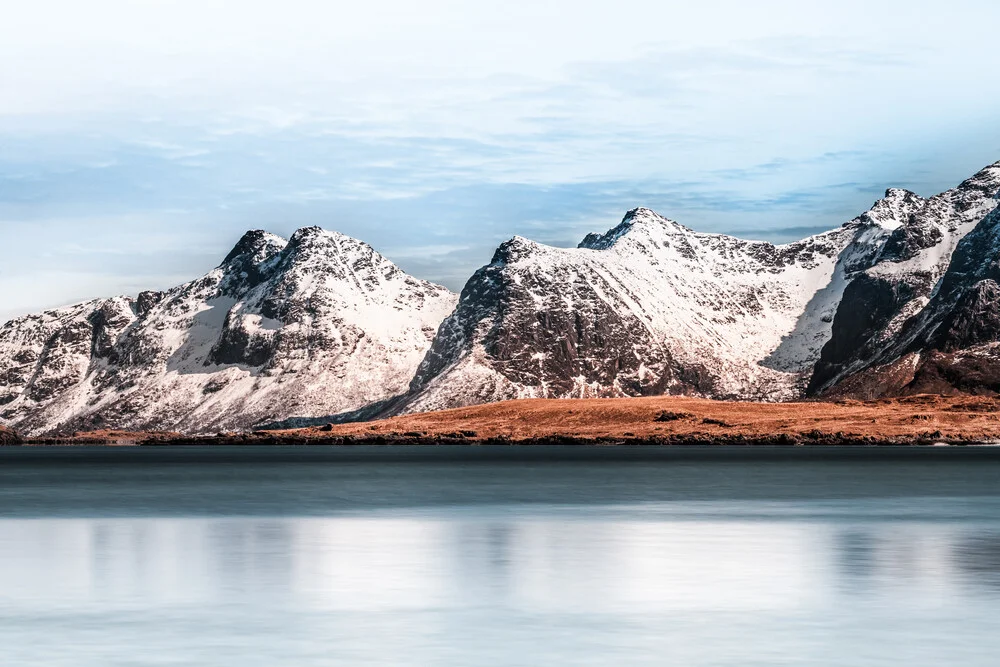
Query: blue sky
{"x": 139, "y": 139}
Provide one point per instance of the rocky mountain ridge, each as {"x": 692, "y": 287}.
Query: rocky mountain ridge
{"x": 902, "y": 299}
{"x": 915, "y": 280}
{"x": 318, "y": 324}
{"x": 652, "y": 307}
{"x": 648, "y": 308}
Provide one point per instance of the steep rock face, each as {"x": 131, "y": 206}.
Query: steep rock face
{"x": 321, "y": 324}
{"x": 650, "y": 307}
{"x": 932, "y": 288}
{"x": 953, "y": 344}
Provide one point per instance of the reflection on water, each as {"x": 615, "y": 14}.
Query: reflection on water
{"x": 597, "y": 564}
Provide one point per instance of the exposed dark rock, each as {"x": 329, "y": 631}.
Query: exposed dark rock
{"x": 907, "y": 241}
{"x": 146, "y": 301}
{"x": 8, "y": 437}
{"x": 873, "y": 302}
{"x": 973, "y": 320}
{"x": 670, "y": 416}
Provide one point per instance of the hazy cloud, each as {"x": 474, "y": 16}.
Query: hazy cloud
{"x": 141, "y": 130}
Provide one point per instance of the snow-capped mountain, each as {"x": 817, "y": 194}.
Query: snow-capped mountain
{"x": 319, "y": 324}
{"x": 927, "y": 317}
{"x": 904, "y": 298}
{"x": 652, "y": 307}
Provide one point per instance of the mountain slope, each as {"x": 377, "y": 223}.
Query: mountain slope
{"x": 652, "y": 307}
{"x": 318, "y": 324}
{"x": 952, "y": 345}
{"x": 929, "y": 271}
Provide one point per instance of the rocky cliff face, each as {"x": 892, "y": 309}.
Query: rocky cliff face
{"x": 952, "y": 345}
{"x": 319, "y": 324}
{"x": 928, "y": 294}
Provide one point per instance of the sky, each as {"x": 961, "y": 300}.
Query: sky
{"x": 140, "y": 139}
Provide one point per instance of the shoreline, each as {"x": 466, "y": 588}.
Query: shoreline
{"x": 291, "y": 439}
{"x": 643, "y": 422}
{"x": 444, "y": 453}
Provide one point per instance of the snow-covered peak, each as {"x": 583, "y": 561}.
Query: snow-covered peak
{"x": 246, "y": 264}
{"x": 348, "y": 272}
{"x": 314, "y": 237}
{"x": 255, "y": 245}
{"x": 319, "y": 245}
{"x": 894, "y": 209}
{"x": 645, "y": 218}
{"x": 925, "y": 232}
{"x": 911, "y": 267}
{"x": 986, "y": 182}
{"x": 516, "y": 249}
{"x": 639, "y": 222}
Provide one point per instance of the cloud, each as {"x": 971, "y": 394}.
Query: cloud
{"x": 790, "y": 120}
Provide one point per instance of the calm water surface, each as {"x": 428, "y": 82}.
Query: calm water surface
{"x": 304, "y": 563}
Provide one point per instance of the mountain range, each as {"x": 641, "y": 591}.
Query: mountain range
{"x": 903, "y": 299}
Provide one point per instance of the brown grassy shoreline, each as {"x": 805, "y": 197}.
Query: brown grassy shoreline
{"x": 915, "y": 420}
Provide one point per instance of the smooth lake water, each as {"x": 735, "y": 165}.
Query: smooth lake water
{"x": 260, "y": 561}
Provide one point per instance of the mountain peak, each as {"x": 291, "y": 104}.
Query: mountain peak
{"x": 306, "y": 236}
{"x": 255, "y": 245}
{"x": 648, "y": 217}
{"x": 640, "y": 212}
{"x": 984, "y": 184}
{"x": 636, "y": 219}
{"x": 894, "y": 209}
{"x": 243, "y": 267}
{"x": 514, "y": 249}
{"x": 316, "y": 242}
{"x": 899, "y": 194}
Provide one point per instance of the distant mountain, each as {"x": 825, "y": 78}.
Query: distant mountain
{"x": 652, "y": 307}
{"x": 904, "y": 298}
{"x": 318, "y": 324}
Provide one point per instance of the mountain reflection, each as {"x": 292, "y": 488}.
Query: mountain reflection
{"x": 560, "y": 563}
{"x": 643, "y": 572}
{"x": 979, "y": 557}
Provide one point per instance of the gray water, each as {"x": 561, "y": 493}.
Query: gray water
{"x": 685, "y": 562}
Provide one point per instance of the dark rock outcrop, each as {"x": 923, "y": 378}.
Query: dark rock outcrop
{"x": 8, "y": 437}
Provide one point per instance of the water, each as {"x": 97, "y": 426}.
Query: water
{"x": 295, "y": 562}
